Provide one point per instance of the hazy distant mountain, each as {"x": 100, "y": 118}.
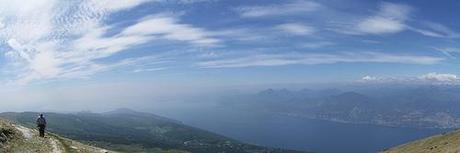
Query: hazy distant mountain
{"x": 422, "y": 106}
{"x": 130, "y": 131}
{"x": 130, "y": 112}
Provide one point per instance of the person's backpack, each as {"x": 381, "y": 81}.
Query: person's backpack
{"x": 41, "y": 121}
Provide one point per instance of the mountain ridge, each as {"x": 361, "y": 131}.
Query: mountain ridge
{"x": 416, "y": 106}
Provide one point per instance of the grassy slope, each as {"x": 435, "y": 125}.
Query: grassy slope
{"x": 97, "y": 131}
{"x": 35, "y": 144}
{"x": 444, "y": 143}
{"x": 17, "y": 143}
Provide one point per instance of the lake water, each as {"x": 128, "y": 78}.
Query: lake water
{"x": 302, "y": 134}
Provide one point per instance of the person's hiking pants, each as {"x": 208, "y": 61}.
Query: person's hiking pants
{"x": 41, "y": 130}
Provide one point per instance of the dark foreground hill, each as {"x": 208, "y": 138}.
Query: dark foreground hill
{"x": 129, "y": 131}
{"x": 443, "y": 143}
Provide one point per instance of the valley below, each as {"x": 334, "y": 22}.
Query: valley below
{"x": 304, "y": 134}
{"x": 354, "y": 119}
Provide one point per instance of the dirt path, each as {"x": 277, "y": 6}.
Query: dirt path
{"x": 29, "y": 134}
{"x": 54, "y": 145}
{"x": 26, "y": 132}
{"x": 51, "y": 143}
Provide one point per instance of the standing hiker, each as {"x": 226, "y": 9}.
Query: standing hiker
{"x": 41, "y": 124}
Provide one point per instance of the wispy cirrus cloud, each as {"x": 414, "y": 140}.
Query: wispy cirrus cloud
{"x": 149, "y": 69}
{"x": 449, "y": 51}
{"x": 62, "y": 39}
{"x": 316, "y": 45}
{"x": 433, "y": 29}
{"x": 314, "y": 59}
{"x": 293, "y": 8}
{"x": 393, "y": 18}
{"x": 194, "y": 1}
{"x": 296, "y": 29}
{"x": 390, "y": 18}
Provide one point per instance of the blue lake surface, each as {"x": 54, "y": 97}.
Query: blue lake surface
{"x": 303, "y": 134}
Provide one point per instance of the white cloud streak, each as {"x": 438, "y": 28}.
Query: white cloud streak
{"x": 316, "y": 45}
{"x": 449, "y": 52}
{"x": 439, "y": 77}
{"x": 432, "y": 77}
{"x": 149, "y": 69}
{"x": 393, "y": 18}
{"x": 389, "y": 19}
{"x": 436, "y": 30}
{"x": 394, "y": 80}
{"x": 294, "y": 8}
{"x": 314, "y": 59}
{"x": 369, "y": 78}
{"x": 296, "y": 29}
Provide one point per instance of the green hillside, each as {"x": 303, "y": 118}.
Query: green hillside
{"x": 443, "y": 143}
{"x": 129, "y": 131}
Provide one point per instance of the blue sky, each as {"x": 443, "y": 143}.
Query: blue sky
{"x": 199, "y": 43}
